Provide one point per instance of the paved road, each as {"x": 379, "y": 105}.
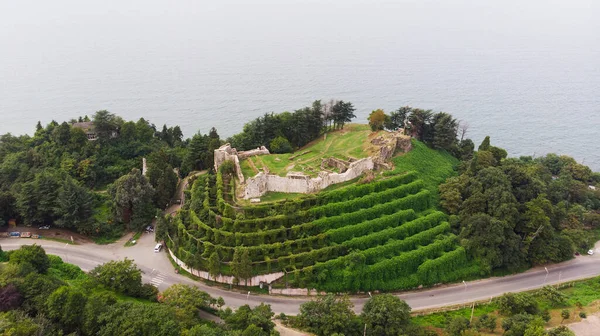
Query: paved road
{"x": 159, "y": 271}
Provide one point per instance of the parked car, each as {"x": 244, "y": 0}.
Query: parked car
{"x": 591, "y": 252}
{"x": 149, "y": 228}
{"x": 44, "y": 227}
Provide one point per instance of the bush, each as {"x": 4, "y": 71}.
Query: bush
{"x": 457, "y": 325}
{"x": 31, "y": 254}
{"x": 582, "y": 314}
{"x": 280, "y": 145}
{"x": 520, "y": 303}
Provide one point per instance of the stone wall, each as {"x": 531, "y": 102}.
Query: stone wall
{"x": 254, "y": 281}
{"x": 262, "y": 150}
{"x": 227, "y": 153}
{"x": 298, "y": 183}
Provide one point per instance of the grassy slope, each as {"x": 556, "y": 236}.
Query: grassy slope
{"x": 580, "y": 296}
{"x": 433, "y": 166}
{"x": 352, "y": 141}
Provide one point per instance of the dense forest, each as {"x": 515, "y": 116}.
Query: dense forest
{"x": 515, "y": 212}
{"x": 60, "y": 177}
{"x": 42, "y": 295}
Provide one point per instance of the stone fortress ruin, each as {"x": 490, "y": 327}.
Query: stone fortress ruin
{"x": 386, "y": 145}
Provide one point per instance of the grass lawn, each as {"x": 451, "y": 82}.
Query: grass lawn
{"x": 60, "y": 240}
{"x": 433, "y": 166}
{"x": 136, "y": 237}
{"x": 352, "y": 141}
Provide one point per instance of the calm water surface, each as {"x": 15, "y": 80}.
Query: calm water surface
{"x": 527, "y": 74}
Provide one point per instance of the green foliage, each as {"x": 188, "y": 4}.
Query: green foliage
{"x": 386, "y": 314}
{"x": 377, "y": 120}
{"x": 33, "y": 255}
{"x": 187, "y": 301}
{"x": 486, "y": 322}
{"x": 328, "y": 315}
{"x": 457, "y": 326}
{"x": 517, "y": 303}
{"x": 280, "y": 145}
{"x": 132, "y": 318}
{"x": 553, "y": 295}
{"x": 132, "y": 196}
{"x": 254, "y": 321}
{"x": 299, "y": 128}
{"x": 565, "y": 314}
{"x": 121, "y": 276}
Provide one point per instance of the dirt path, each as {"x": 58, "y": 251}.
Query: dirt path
{"x": 587, "y": 327}
{"x": 285, "y": 331}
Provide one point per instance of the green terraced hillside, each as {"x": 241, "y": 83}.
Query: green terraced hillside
{"x": 381, "y": 235}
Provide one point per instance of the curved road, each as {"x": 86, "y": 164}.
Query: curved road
{"x": 159, "y": 271}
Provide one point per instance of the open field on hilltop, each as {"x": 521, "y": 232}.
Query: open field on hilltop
{"x": 351, "y": 142}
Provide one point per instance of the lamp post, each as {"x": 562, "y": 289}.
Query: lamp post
{"x": 66, "y": 252}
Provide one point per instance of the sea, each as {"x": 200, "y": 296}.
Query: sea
{"x": 526, "y": 73}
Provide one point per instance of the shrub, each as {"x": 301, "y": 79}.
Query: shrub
{"x": 457, "y": 325}
{"x": 280, "y": 145}
{"x": 31, "y": 254}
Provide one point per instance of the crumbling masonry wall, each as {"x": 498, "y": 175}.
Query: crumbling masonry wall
{"x": 298, "y": 183}
{"x": 227, "y": 153}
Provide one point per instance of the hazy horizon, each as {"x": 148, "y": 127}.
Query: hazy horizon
{"x": 527, "y": 74}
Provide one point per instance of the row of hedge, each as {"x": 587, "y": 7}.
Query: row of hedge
{"x": 338, "y": 195}
{"x": 419, "y": 202}
{"x": 277, "y": 224}
{"x": 315, "y": 249}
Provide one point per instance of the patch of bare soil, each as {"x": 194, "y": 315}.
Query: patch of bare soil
{"x": 50, "y": 233}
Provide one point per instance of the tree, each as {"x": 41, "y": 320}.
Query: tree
{"x": 560, "y": 331}
{"x": 565, "y": 314}
{"x": 419, "y": 124}
{"x": 457, "y": 326}
{"x": 161, "y": 176}
{"x": 486, "y": 237}
{"x": 10, "y": 298}
{"x": 67, "y": 306}
{"x": 187, "y": 301}
{"x": 121, "y": 276}
{"x": 105, "y": 124}
{"x": 241, "y": 265}
{"x": 214, "y": 265}
{"x": 329, "y": 314}
{"x": 133, "y": 318}
{"x": 485, "y": 144}
{"x": 342, "y": 113}
{"x": 519, "y": 303}
{"x": 486, "y": 322}
{"x": 74, "y": 207}
{"x": 97, "y": 304}
{"x": 386, "y": 314}
{"x": 31, "y": 254}
{"x": 280, "y": 145}
{"x": 377, "y": 119}
{"x": 132, "y": 198}
{"x": 260, "y": 317}
{"x": 397, "y": 118}
{"x": 444, "y": 128}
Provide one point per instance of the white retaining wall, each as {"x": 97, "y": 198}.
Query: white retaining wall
{"x": 254, "y": 281}
{"x": 262, "y": 183}
{"x": 295, "y": 291}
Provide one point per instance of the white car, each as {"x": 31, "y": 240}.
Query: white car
{"x": 591, "y": 252}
